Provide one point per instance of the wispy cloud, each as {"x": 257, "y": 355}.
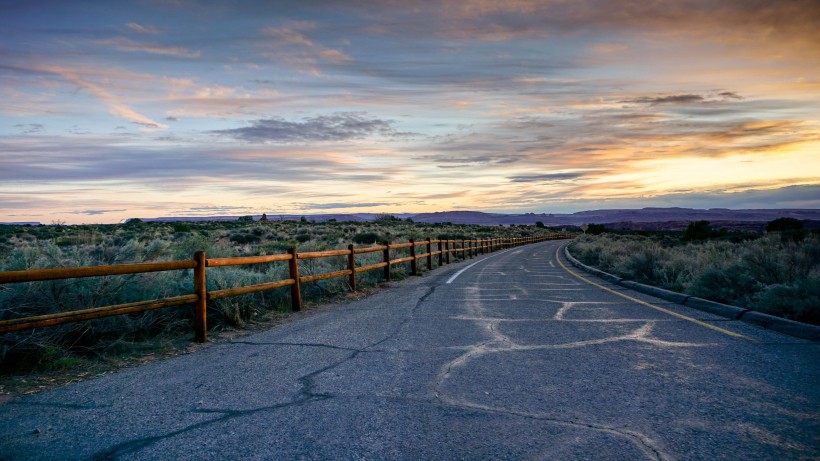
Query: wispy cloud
{"x": 549, "y": 177}
{"x": 443, "y": 105}
{"x": 30, "y": 128}
{"x": 337, "y": 127}
{"x": 289, "y": 44}
{"x": 115, "y": 106}
{"x": 96, "y": 212}
{"x": 672, "y": 99}
{"x": 214, "y": 210}
{"x": 212, "y": 101}
{"x": 126, "y": 44}
{"x": 141, "y": 29}
{"x": 730, "y": 95}
{"x": 344, "y": 205}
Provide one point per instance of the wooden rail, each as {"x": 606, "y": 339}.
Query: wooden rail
{"x": 199, "y": 263}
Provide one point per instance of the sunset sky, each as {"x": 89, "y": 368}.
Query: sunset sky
{"x": 114, "y": 110}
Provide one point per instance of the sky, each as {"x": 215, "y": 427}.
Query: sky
{"x": 115, "y": 110}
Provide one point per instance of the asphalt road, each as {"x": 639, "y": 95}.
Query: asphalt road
{"x": 507, "y": 356}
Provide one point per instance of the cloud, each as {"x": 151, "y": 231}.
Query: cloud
{"x": 30, "y": 128}
{"x": 796, "y": 196}
{"x": 140, "y": 29}
{"x": 331, "y": 206}
{"x": 493, "y": 20}
{"x": 126, "y": 44}
{"x": 546, "y": 177}
{"x": 672, "y": 99}
{"x": 730, "y": 95}
{"x": 289, "y": 44}
{"x": 683, "y": 98}
{"x": 213, "y": 210}
{"x": 96, "y": 212}
{"x": 218, "y": 101}
{"x": 342, "y": 126}
{"x": 236, "y": 169}
{"x": 115, "y": 105}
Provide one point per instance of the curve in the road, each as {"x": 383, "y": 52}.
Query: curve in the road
{"x": 515, "y": 358}
{"x": 650, "y": 305}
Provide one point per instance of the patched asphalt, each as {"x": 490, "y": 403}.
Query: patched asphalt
{"x": 516, "y": 358}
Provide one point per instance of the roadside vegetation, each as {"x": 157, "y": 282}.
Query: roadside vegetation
{"x": 777, "y": 272}
{"x": 66, "y": 346}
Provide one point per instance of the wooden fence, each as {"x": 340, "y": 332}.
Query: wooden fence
{"x": 441, "y": 249}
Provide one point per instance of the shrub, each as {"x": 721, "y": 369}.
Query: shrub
{"x": 367, "y": 238}
{"x": 244, "y": 238}
{"x": 784, "y": 225}
{"x": 38, "y": 247}
{"x": 768, "y": 274}
{"x": 385, "y": 218}
{"x": 182, "y": 227}
{"x": 797, "y": 301}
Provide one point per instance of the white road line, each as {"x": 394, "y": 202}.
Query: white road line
{"x": 455, "y": 276}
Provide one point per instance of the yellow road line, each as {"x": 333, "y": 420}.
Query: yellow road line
{"x": 644, "y": 303}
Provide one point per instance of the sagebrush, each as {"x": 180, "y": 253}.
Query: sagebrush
{"x": 771, "y": 274}
{"x": 37, "y": 247}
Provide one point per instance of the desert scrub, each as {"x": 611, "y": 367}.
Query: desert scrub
{"x": 770, "y": 274}
{"x": 39, "y": 247}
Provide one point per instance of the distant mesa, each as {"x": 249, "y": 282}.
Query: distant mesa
{"x": 637, "y": 219}
{"x": 674, "y": 217}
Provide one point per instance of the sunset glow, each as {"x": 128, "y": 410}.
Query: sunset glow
{"x": 114, "y": 110}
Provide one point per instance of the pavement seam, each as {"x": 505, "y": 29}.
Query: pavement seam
{"x": 500, "y": 343}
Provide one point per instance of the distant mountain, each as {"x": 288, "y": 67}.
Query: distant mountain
{"x": 644, "y": 215}
{"x": 644, "y": 218}
{"x": 358, "y": 217}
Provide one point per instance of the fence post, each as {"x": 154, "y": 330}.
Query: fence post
{"x": 414, "y": 270}
{"x": 387, "y": 260}
{"x": 351, "y": 265}
{"x": 295, "y": 289}
{"x": 201, "y": 306}
{"x": 440, "y": 254}
{"x": 429, "y": 254}
{"x": 463, "y": 252}
{"x": 447, "y": 250}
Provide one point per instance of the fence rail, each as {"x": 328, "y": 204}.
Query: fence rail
{"x": 199, "y": 263}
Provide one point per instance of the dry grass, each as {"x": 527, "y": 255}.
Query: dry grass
{"x": 772, "y": 274}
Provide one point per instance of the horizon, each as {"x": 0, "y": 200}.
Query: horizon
{"x": 311, "y": 216}
{"x": 191, "y": 109}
